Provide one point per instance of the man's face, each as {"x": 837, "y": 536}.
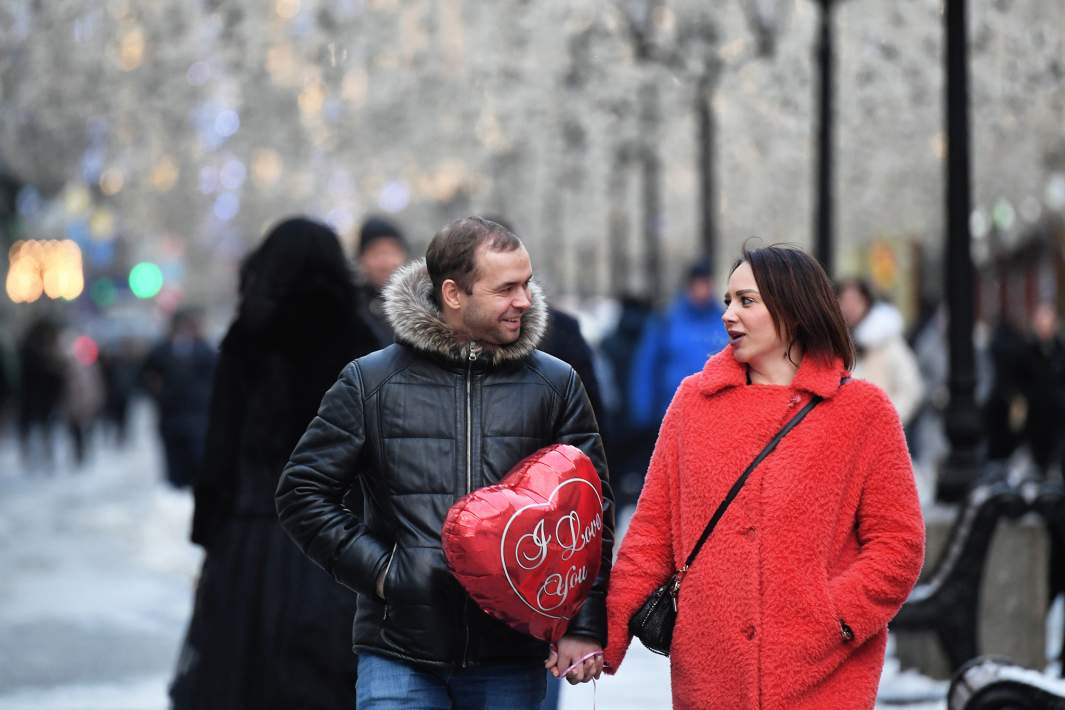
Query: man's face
{"x": 492, "y": 312}
{"x": 380, "y": 259}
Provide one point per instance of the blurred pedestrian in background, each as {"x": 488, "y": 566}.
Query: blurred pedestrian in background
{"x": 118, "y": 365}
{"x": 1005, "y": 410}
{"x": 83, "y": 393}
{"x": 674, "y": 345}
{"x": 269, "y": 628}
{"x": 628, "y": 447}
{"x": 787, "y": 605}
{"x": 1042, "y": 381}
{"x": 177, "y": 374}
{"x": 8, "y": 379}
{"x": 882, "y": 355}
{"x": 41, "y": 383}
{"x": 381, "y": 250}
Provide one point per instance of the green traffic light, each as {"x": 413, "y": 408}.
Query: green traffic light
{"x": 145, "y": 280}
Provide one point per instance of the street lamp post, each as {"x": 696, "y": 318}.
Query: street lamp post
{"x": 962, "y": 420}
{"x": 823, "y": 226}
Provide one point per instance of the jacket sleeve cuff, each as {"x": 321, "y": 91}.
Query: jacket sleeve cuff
{"x": 590, "y": 621}
{"x": 359, "y": 563}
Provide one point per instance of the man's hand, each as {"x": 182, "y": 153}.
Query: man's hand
{"x": 570, "y": 650}
{"x": 381, "y": 584}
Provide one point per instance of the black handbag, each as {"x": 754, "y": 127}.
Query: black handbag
{"x": 653, "y": 622}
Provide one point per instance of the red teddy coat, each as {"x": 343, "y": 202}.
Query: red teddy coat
{"x": 827, "y": 529}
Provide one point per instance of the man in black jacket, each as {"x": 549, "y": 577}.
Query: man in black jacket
{"x": 460, "y": 398}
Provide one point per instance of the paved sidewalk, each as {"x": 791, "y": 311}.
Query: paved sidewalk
{"x": 97, "y": 588}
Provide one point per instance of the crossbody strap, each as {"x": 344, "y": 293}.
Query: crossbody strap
{"x": 734, "y": 491}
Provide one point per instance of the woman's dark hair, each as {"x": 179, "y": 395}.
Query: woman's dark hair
{"x": 862, "y": 286}
{"x": 297, "y": 272}
{"x": 801, "y": 301}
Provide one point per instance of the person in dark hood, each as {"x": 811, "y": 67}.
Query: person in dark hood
{"x": 459, "y": 399}
{"x": 382, "y": 249}
{"x": 268, "y": 627}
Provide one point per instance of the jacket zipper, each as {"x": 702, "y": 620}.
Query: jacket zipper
{"x": 474, "y": 351}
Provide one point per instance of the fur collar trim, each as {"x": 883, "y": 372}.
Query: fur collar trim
{"x": 816, "y": 376}
{"x": 416, "y": 320}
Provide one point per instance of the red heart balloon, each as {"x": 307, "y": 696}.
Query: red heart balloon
{"x": 527, "y": 549}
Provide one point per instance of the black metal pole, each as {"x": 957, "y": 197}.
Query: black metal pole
{"x": 962, "y": 421}
{"x": 650, "y": 120}
{"x": 823, "y": 228}
{"x": 704, "y": 120}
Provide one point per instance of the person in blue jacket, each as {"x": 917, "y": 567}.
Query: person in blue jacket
{"x": 675, "y": 344}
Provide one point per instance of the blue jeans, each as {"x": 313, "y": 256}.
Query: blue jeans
{"x": 390, "y": 684}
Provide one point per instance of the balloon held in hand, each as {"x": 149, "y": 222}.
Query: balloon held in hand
{"x": 528, "y": 549}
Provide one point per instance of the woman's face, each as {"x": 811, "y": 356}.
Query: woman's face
{"x": 751, "y": 332}
{"x": 853, "y": 305}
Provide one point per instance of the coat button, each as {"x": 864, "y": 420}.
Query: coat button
{"x": 749, "y": 632}
{"x": 749, "y": 533}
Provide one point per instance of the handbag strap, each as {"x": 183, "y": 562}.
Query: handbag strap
{"x": 735, "y": 490}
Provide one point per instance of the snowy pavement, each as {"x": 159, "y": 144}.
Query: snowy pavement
{"x": 97, "y": 587}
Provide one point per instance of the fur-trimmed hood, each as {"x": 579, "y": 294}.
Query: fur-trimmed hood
{"x": 416, "y": 320}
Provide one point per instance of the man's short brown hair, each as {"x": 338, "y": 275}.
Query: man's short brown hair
{"x": 452, "y": 252}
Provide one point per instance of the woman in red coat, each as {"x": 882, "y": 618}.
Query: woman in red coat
{"x": 787, "y": 605}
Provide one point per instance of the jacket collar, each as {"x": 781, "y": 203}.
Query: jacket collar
{"x": 816, "y": 375}
{"x": 417, "y": 321}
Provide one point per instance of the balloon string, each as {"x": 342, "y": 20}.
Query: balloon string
{"x": 579, "y": 661}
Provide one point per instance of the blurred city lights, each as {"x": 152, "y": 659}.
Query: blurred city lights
{"x": 394, "y": 196}
{"x": 1055, "y": 191}
{"x": 52, "y": 268}
{"x": 226, "y": 206}
{"x": 226, "y": 123}
{"x": 311, "y": 99}
{"x": 199, "y": 73}
{"x": 131, "y": 49}
{"x": 112, "y": 181}
{"x": 232, "y": 174}
{"x": 266, "y": 167}
{"x": 1003, "y": 215}
{"x": 86, "y": 351}
{"x": 165, "y": 174}
{"x": 103, "y": 292}
{"x": 102, "y": 224}
{"x": 76, "y": 200}
{"x": 354, "y": 87}
{"x": 145, "y": 279}
{"x": 287, "y": 9}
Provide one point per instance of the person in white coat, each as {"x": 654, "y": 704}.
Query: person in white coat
{"x": 883, "y": 356}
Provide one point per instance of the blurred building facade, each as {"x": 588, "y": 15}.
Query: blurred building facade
{"x": 172, "y": 133}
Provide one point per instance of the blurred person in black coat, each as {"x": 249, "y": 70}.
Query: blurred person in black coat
{"x": 629, "y": 447}
{"x": 381, "y": 250}
{"x": 1004, "y": 407}
{"x": 1042, "y": 379}
{"x": 269, "y": 628}
{"x": 177, "y": 374}
{"x": 42, "y": 376}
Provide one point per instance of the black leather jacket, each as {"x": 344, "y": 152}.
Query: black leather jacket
{"x": 419, "y": 425}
